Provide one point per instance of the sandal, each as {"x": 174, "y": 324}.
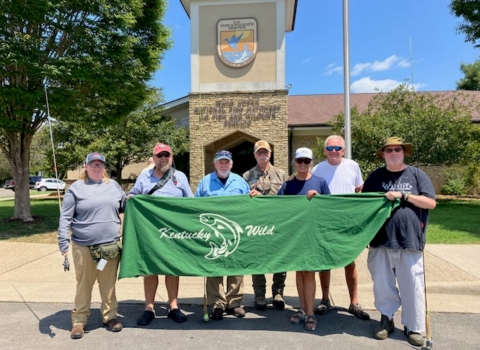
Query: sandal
{"x": 298, "y": 317}
{"x": 310, "y": 323}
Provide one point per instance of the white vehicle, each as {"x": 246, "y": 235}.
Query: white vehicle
{"x": 49, "y": 184}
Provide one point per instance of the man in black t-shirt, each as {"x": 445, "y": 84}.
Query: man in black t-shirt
{"x": 396, "y": 252}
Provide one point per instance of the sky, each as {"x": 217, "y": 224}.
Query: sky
{"x": 391, "y": 42}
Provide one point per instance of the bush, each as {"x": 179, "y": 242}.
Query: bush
{"x": 455, "y": 182}
{"x": 472, "y": 179}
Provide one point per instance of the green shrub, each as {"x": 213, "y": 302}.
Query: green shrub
{"x": 455, "y": 182}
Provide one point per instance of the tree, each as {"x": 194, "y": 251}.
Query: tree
{"x": 469, "y": 10}
{"x": 130, "y": 140}
{"x": 439, "y": 126}
{"x": 471, "y": 80}
{"x": 95, "y": 57}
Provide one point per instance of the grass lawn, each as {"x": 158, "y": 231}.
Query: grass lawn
{"x": 455, "y": 222}
{"x": 451, "y": 222}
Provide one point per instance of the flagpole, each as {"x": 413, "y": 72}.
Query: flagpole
{"x": 346, "y": 81}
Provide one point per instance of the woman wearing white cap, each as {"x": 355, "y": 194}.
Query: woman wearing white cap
{"x": 304, "y": 183}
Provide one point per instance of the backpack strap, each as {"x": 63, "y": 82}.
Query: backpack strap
{"x": 165, "y": 178}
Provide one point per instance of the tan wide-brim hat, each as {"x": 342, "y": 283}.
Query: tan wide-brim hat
{"x": 396, "y": 141}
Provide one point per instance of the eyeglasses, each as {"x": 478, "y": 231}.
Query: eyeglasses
{"x": 303, "y": 160}
{"x": 162, "y": 155}
{"x": 336, "y": 148}
{"x": 96, "y": 165}
{"x": 390, "y": 150}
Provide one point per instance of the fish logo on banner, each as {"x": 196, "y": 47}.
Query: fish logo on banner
{"x": 237, "y": 41}
{"x": 226, "y": 232}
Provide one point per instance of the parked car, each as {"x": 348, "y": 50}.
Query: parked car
{"x": 32, "y": 179}
{"x": 8, "y": 184}
{"x": 49, "y": 184}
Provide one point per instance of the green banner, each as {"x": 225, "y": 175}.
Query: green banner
{"x": 239, "y": 235}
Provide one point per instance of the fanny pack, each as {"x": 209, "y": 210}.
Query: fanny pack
{"x": 106, "y": 251}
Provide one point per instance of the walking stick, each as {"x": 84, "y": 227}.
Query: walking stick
{"x": 205, "y": 311}
{"x": 428, "y": 330}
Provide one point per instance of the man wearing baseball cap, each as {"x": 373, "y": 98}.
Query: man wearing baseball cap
{"x": 222, "y": 182}
{"x": 162, "y": 180}
{"x": 265, "y": 179}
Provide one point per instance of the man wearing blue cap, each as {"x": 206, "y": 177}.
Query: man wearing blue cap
{"x": 222, "y": 182}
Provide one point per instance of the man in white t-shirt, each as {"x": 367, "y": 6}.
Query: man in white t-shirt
{"x": 343, "y": 176}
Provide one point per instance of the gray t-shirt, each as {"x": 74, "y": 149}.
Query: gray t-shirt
{"x": 91, "y": 210}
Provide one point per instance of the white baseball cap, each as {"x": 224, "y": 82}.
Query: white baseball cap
{"x": 304, "y": 152}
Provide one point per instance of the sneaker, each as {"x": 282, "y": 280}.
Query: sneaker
{"x": 260, "y": 303}
{"x": 278, "y": 301}
{"x": 385, "y": 328}
{"x": 236, "y": 311}
{"x": 414, "y": 338}
{"x": 217, "y": 314}
{"x": 323, "y": 307}
{"x": 357, "y": 310}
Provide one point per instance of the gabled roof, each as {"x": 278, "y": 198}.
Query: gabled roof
{"x": 317, "y": 110}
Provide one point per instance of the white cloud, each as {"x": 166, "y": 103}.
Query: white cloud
{"x": 378, "y": 66}
{"x": 333, "y": 68}
{"x": 369, "y": 85}
{"x": 306, "y": 60}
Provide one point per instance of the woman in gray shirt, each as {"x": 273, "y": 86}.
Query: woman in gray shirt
{"x": 91, "y": 208}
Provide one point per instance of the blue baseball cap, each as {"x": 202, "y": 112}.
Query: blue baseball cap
{"x": 95, "y": 156}
{"x": 223, "y": 155}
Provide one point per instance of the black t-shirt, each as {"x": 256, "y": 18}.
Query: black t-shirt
{"x": 405, "y": 229}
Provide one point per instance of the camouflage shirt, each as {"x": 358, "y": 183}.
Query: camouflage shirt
{"x": 266, "y": 182}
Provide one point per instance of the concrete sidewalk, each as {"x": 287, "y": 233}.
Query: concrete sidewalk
{"x": 32, "y": 272}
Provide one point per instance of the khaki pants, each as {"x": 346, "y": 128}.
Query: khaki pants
{"x": 86, "y": 273}
{"x": 218, "y": 298}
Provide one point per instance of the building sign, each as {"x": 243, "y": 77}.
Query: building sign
{"x": 237, "y": 41}
{"x": 237, "y": 114}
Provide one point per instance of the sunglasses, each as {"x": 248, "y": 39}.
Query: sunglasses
{"x": 336, "y": 148}
{"x": 162, "y": 155}
{"x": 390, "y": 150}
{"x": 303, "y": 160}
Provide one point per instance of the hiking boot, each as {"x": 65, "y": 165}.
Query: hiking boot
{"x": 236, "y": 311}
{"x": 278, "y": 301}
{"x": 357, "y": 310}
{"x": 385, "y": 328}
{"x": 260, "y": 303}
{"x": 323, "y": 307}
{"x": 414, "y": 338}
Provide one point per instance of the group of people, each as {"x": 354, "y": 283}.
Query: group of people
{"x": 92, "y": 206}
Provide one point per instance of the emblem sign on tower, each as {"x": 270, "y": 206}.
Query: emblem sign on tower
{"x": 237, "y": 41}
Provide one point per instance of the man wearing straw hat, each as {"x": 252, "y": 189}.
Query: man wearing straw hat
{"x": 395, "y": 256}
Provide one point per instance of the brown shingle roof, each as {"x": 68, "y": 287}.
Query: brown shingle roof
{"x": 310, "y": 110}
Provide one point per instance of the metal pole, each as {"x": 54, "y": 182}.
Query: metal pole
{"x": 346, "y": 81}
